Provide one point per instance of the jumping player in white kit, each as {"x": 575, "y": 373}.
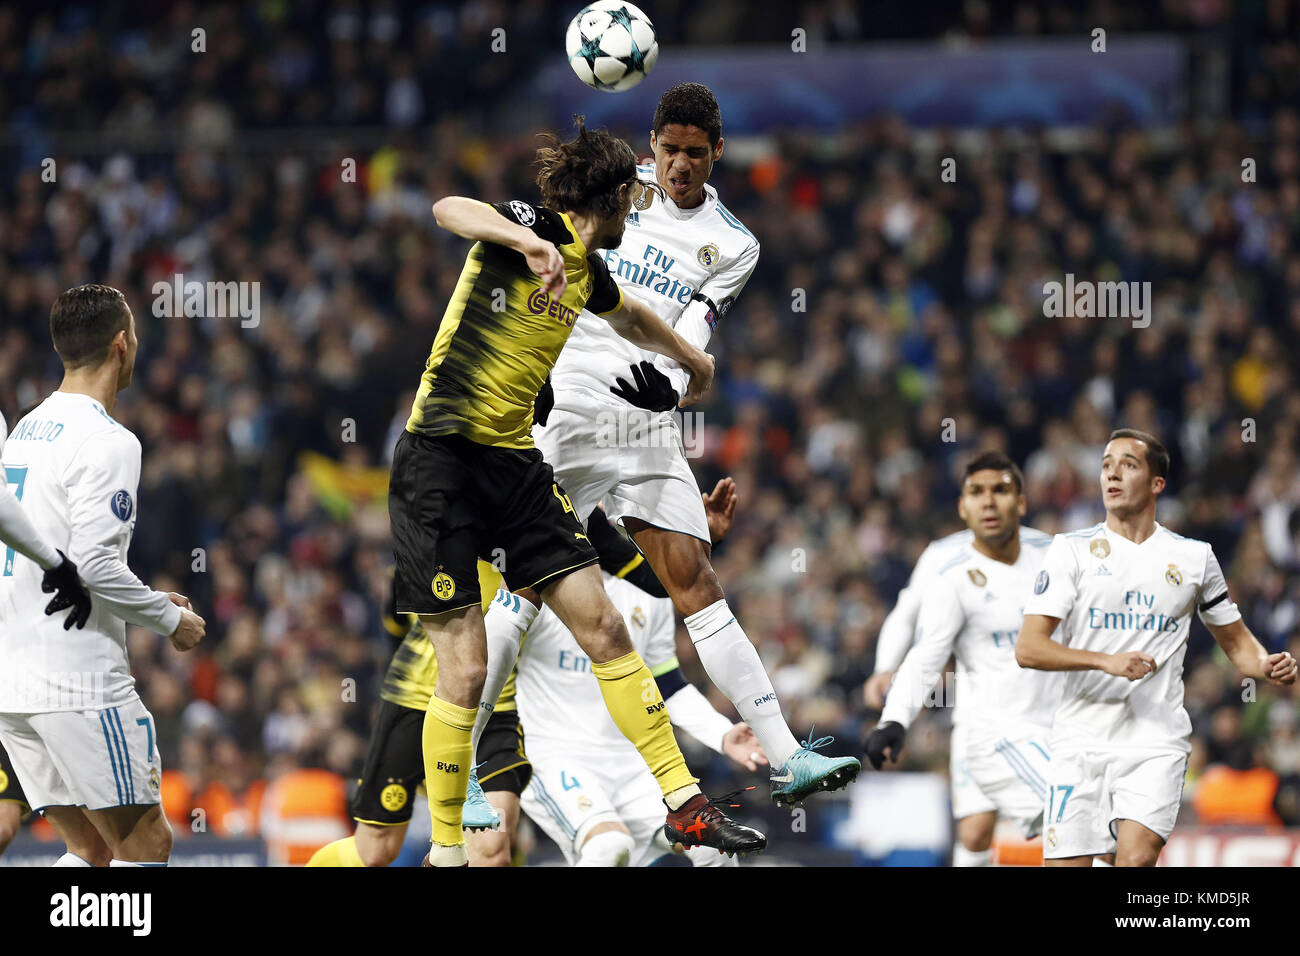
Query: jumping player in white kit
{"x": 590, "y": 791}
{"x": 1125, "y": 591}
{"x": 612, "y": 436}
{"x": 80, "y": 739}
{"x": 972, "y": 607}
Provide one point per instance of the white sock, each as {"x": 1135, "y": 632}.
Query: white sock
{"x": 133, "y": 863}
{"x": 507, "y": 621}
{"x": 70, "y": 859}
{"x": 608, "y": 848}
{"x": 734, "y": 666}
{"x": 964, "y": 857}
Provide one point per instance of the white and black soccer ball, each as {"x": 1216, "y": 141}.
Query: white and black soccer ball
{"x": 611, "y": 45}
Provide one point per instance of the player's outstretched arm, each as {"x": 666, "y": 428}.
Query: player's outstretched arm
{"x": 644, "y": 329}
{"x": 1250, "y": 657}
{"x": 1035, "y": 649}
{"x": 479, "y": 222}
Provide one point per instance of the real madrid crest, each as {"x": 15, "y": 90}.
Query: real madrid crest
{"x": 1174, "y": 576}
{"x": 708, "y": 255}
{"x": 1100, "y": 548}
{"x": 638, "y": 616}
{"x": 977, "y": 577}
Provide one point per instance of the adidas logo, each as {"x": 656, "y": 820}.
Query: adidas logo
{"x": 1102, "y": 571}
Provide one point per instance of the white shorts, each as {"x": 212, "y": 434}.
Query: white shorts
{"x": 967, "y": 798}
{"x": 1089, "y": 792}
{"x": 568, "y": 796}
{"x": 1013, "y": 778}
{"x": 88, "y": 758}
{"x": 630, "y": 459}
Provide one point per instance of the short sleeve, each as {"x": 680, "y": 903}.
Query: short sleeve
{"x": 1057, "y": 584}
{"x": 546, "y": 223}
{"x": 1213, "y": 603}
{"x": 606, "y": 296}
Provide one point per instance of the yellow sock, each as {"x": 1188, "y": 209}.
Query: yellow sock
{"x": 447, "y": 756}
{"x": 339, "y": 853}
{"x": 633, "y": 700}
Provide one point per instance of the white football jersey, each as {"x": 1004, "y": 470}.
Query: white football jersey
{"x": 75, "y": 471}
{"x": 556, "y": 690}
{"x": 972, "y": 608}
{"x": 668, "y": 257}
{"x": 899, "y": 631}
{"x": 1113, "y": 596}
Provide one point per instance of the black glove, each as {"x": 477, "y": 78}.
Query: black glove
{"x": 886, "y": 736}
{"x": 653, "y": 389}
{"x": 69, "y": 592}
{"x": 544, "y": 402}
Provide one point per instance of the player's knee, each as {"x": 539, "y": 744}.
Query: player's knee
{"x": 607, "y": 848}
{"x": 8, "y": 830}
{"x": 1136, "y": 856}
{"x": 160, "y": 838}
{"x": 379, "y": 846}
{"x": 489, "y": 849}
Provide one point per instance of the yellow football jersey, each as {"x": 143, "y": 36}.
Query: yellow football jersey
{"x": 502, "y": 333}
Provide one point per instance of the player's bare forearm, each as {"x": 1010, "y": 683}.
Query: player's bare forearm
{"x": 479, "y": 222}
{"x": 1249, "y": 656}
{"x": 1036, "y": 650}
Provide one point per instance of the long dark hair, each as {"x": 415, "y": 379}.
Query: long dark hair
{"x": 584, "y": 174}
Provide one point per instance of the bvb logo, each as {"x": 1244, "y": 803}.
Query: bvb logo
{"x": 708, "y": 254}
{"x": 393, "y": 797}
{"x": 1174, "y": 576}
{"x": 977, "y": 577}
{"x": 444, "y": 588}
{"x": 1100, "y": 548}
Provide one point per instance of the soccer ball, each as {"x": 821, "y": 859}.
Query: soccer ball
{"x": 611, "y": 45}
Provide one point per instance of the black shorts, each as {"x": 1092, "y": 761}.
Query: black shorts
{"x": 452, "y": 501}
{"x": 503, "y": 764}
{"x": 395, "y": 763}
{"x": 11, "y": 791}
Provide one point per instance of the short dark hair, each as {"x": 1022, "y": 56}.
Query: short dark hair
{"x": 83, "y": 322}
{"x": 690, "y": 104}
{"x": 996, "y": 461}
{"x": 1157, "y": 453}
{"x": 584, "y": 174}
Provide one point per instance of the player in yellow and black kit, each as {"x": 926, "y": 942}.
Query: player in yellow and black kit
{"x": 13, "y": 802}
{"x": 394, "y": 768}
{"x": 466, "y": 481}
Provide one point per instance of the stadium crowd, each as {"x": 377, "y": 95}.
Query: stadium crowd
{"x": 894, "y": 326}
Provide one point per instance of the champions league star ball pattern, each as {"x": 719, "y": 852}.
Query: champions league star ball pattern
{"x": 611, "y": 45}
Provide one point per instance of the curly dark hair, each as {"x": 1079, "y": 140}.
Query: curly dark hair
{"x": 83, "y": 322}
{"x": 584, "y": 174}
{"x": 690, "y": 104}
